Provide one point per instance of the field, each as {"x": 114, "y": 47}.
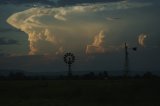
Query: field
{"x": 137, "y": 92}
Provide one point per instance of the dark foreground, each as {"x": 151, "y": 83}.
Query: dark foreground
{"x": 131, "y": 92}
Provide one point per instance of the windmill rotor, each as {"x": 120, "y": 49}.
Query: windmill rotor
{"x": 69, "y": 59}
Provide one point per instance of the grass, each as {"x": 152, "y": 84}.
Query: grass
{"x": 80, "y": 93}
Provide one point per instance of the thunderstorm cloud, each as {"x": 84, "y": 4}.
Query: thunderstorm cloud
{"x": 58, "y": 29}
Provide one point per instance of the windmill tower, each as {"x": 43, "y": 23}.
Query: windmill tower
{"x": 126, "y": 61}
{"x": 126, "y": 64}
{"x": 69, "y": 59}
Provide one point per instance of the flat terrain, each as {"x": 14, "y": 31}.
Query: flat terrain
{"x": 138, "y": 92}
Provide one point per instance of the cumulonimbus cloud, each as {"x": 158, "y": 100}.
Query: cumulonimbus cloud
{"x": 50, "y": 30}
{"x": 98, "y": 44}
{"x": 141, "y": 39}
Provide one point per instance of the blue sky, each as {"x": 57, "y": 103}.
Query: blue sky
{"x": 35, "y": 36}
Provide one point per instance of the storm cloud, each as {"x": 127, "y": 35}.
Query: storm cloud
{"x": 54, "y": 30}
{"x": 94, "y": 30}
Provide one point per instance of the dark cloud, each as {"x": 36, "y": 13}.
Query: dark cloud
{"x": 112, "y": 18}
{"x": 32, "y": 63}
{"x": 3, "y": 30}
{"x": 72, "y": 2}
{"x": 25, "y": 1}
{"x": 4, "y": 54}
{"x": 4, "y": 41}
{"x": 54, "y": 2}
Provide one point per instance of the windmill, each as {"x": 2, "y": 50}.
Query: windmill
{"x": 126, "y": 70}
{"x": 69, "y": 59}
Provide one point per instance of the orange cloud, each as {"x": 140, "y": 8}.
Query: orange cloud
{"x": 98, "y": 44}
{"x": 141, "y": 39}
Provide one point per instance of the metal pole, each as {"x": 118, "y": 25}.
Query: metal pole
{"x": 126, "y": 61}
{"x": 69, "y": 70}
{"x": 69, "y": 67}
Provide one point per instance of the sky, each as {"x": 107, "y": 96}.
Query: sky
{"x": 34, "y": 36}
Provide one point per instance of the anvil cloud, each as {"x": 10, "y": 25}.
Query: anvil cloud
{"x": 55, "y": 30}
